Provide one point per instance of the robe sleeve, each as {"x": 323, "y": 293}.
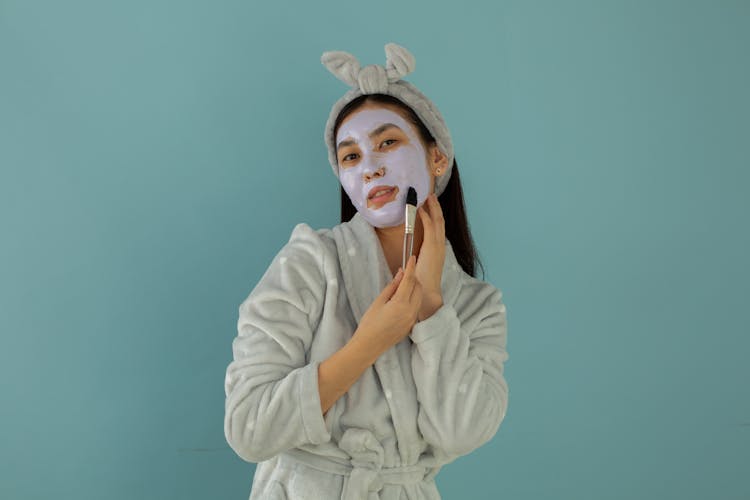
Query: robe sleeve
{"x": 457, "y": 366}
{"x": 272, "y": 396}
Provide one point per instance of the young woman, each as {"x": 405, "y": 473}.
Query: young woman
{"x": 353, "y": 378}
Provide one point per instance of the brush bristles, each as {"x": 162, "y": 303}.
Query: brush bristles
{"x": 411, "y": 196}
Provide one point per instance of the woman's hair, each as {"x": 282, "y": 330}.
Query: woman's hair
{"x": 451, "y": 200}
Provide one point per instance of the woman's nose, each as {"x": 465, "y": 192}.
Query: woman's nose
{"x": 378, "y": 173}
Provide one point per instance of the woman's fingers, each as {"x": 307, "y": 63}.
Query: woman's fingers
{"x": 410, "y": 289}
{"x": 436, "y": 211}
{"x": 407, "y": 281}
{"x": 390, "y": 288}
{"x": 433, "y": 222}
{"x": 426, "y": 224}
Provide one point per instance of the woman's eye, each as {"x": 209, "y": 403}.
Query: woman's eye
{"x": 394, "y": 140}
{"x": 347, "y": 156}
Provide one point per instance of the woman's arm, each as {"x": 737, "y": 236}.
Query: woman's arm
{"x": 272, "y": 394}
{"x": 344, "y": 367}
{"x": 458, "y": 370}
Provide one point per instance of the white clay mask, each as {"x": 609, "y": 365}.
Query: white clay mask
{"x": 392, "y": 159}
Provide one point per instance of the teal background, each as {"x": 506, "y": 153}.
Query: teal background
{"x": 155, "y": 155}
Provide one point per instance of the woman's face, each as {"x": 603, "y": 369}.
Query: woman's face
{"x": 378, "y": 150}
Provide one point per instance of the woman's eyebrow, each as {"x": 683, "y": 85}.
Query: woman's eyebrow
{"x": 377, "y": 131}
{"x": 382, "y": 129}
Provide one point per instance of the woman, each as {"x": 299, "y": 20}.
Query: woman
{"x": 347, "y": 381}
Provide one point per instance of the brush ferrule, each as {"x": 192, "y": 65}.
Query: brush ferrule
{"x": 410, "y": 216}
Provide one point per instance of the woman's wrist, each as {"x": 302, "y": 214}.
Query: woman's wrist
{"x": 430, "y": 305}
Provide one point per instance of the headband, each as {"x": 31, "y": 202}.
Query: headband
{"x": 375, "y": 79}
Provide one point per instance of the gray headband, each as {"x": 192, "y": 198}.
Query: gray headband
{"x": 375, "y": 79}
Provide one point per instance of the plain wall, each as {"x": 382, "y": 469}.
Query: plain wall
{"x": 155, "y": 155}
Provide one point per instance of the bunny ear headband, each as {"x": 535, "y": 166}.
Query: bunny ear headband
{"x": 375, "y": 79}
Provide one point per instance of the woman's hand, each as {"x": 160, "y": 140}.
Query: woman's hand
{"x": 429, "y": 269}
{"x": 391, "y": 316}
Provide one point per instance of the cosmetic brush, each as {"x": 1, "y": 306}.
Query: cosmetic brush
{"x": 410, "y": 214}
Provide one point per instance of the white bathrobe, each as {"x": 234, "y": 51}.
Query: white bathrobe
{"x": 436, "y": 395}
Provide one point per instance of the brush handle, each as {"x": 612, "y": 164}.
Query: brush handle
{"x": 408, "y": 243}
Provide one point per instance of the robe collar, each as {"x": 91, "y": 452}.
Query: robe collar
{"x": 365, "y": 269}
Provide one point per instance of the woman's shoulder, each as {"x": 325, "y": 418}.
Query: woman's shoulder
{"x": 309, "y": 245}
{"x": 477, "y": 296}
{"x": 303, "y": 234}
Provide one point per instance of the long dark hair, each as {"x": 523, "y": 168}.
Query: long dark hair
{"x": 451, "y": 200}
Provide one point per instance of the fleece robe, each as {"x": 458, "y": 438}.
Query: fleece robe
{"x": 436, "y": 395}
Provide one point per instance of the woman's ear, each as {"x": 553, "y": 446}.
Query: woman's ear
{"x": 438, "y": 161}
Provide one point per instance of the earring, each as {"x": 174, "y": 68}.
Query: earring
{"x": 437, "y": 171}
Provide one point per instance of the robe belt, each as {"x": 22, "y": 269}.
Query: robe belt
{"x": 364, "y": 475}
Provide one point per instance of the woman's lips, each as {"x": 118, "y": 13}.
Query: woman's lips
{"x": 381, "y": 200}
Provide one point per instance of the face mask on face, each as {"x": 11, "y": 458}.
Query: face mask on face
{"x": 380, "y": 163}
